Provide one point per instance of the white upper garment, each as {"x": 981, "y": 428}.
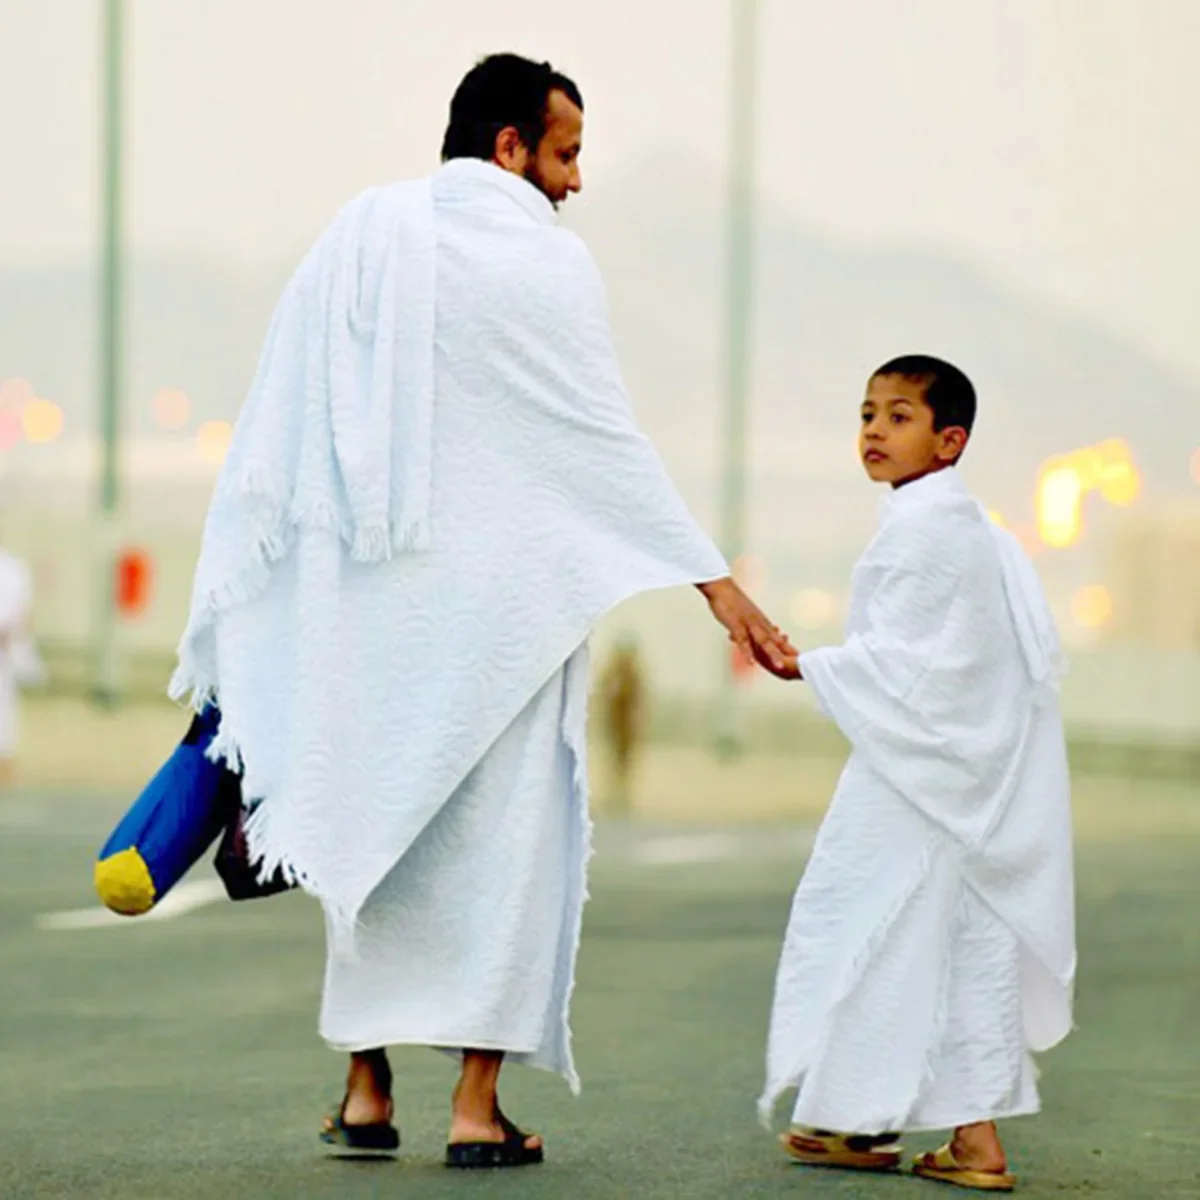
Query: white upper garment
{"x": 435, "y": 490}
{"x": 947, "y": 685}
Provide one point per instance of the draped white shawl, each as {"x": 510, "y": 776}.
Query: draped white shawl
{"x": 947, "y": 686}
{"x": 434, "y": 491}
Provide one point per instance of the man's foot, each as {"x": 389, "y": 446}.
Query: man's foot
{"x": 467, "y": 1124}
{"x": 480, "y": 1134}
{"x": 363, "y": 1122}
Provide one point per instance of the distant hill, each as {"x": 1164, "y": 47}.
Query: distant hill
{"x": 826, "y": 313}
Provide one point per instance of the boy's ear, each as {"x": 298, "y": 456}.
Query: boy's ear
{"x": 954, "y": 442}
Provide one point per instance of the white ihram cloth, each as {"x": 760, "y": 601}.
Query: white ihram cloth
{"x": 931, "y": 945}
{"x": 435, "y": 490}
{"x": 19, "y": 661}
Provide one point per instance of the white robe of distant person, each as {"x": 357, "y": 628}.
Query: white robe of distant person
{"x": 435, "y": 490}
{"x": 20, "y": 664}
{"x": 931, "y": 948}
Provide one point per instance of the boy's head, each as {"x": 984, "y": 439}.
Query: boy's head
{"x": 916, "y": 419}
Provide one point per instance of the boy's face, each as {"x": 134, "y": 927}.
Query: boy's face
{"x": 898, "y": 442}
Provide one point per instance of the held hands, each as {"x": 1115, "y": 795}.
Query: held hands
{"x": 750, "y": 629}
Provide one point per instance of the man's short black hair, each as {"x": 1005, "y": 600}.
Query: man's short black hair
{"x": 948, "y": 391}
{"x": 499, "y": 91}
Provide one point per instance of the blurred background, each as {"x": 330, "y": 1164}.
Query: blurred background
{"x": 781, "y": 195}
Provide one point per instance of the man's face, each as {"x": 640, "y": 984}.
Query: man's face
{"x": 554, "y": 167}
{"x": 897, "y": 441}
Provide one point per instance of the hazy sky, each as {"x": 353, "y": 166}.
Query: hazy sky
{"x": 1054, "y": 141}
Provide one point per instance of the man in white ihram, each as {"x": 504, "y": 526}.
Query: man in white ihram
{"x": 435, "y": 490}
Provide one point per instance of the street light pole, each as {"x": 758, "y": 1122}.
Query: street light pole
{"x": 739, "y": 297}
{"x": 110, "y": 357}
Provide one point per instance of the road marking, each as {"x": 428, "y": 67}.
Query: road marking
{"x": 182, "y": 899}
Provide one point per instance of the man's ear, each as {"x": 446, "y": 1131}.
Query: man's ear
{"x": 954, "y": 442}
{"x": 511, "y": 152}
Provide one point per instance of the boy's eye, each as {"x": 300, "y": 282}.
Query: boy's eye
{"x": 866, "y": 417}
{"x": 899, "y": 418}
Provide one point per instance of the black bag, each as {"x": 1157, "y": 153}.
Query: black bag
{"x": 232, "y": 860}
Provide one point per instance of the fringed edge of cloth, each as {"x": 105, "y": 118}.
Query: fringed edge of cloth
{"x": 575, "y": 737}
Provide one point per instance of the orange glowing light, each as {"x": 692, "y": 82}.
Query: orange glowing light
{"x": 42, "y": 421}
{"x": 1092, "y": 606}
{"x": 212, "y": 441}
{"x": 171, "y": 408}
{"x": 1059, "y": 499}
{"x": 813, "y": 608}
{"x": 750, "y": 571}
{"x": 15, "y": 394}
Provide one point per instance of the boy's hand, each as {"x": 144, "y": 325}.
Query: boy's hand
{"x": 749, "y": 628}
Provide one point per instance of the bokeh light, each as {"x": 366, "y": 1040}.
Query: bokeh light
{"x": 1092, "y": 606}
{"x": 10, "y": 429}
{"x": 813, "y": 608}
{"x": 212, "y": 441}
{"x": 996, "y": 518}
{"x": 1059, "y": 517}
{"x": 15, "y": 394}
{"x": 1107, "y": 468}
{"x": 171, "y": 408}
{"x": 750, "y": 571}
{"x": 42, "y": 421}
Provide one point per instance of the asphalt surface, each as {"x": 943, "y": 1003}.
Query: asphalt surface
{"x": 153, "y": 1060}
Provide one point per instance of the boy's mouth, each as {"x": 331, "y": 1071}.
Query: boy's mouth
{"x": 874, "y": 456}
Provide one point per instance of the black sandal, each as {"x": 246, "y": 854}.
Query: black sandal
{"x": 376, "y": 1139}
{"x": 379, "y": 1139}
{"x": 512, "y": 1152}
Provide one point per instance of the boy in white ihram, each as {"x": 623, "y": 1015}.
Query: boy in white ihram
{"x": 931, "y": 945}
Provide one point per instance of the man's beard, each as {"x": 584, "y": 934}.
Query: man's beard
{"x": 534, "y": 176}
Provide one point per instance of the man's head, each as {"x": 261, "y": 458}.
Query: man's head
{"x": 916, "y": 419}
{"x": 522, "y": 116}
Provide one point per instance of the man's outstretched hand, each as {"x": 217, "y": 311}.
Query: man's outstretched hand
{"x": 750, "y": 629}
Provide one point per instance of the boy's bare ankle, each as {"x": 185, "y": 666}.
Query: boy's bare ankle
{"x": 978, "y": 1146}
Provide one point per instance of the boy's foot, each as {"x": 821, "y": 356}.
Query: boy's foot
{"x": 974, "y": 1158}
{"x": 854, "y": 1152}
{"x": 942, "y": 1167}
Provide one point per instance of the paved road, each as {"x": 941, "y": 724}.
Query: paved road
{"x": 178, "y": 1058}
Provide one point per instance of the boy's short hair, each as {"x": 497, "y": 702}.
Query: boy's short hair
{"x": 948, "y": 391}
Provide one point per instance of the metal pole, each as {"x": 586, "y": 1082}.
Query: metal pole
{"x": 739, "y": 320}
{"x": 110, "y": 358}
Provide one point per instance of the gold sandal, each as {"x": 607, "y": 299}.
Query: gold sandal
{"x": 943, "y": 1167}
{"x": 852, "y": 1151}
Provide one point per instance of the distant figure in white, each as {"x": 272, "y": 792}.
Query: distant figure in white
{"x": 436, "y": 488}
{"x": 931, "y": 946}
{"x": 20, "y": 665}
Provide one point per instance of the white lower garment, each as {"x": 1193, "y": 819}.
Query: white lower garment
{"x": 899, "y": 1000}
{"x": 470, "y": 941}
{"x": 980, "y": 1069}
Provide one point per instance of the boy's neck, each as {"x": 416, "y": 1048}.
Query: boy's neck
{"x": 899, "y": 483}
